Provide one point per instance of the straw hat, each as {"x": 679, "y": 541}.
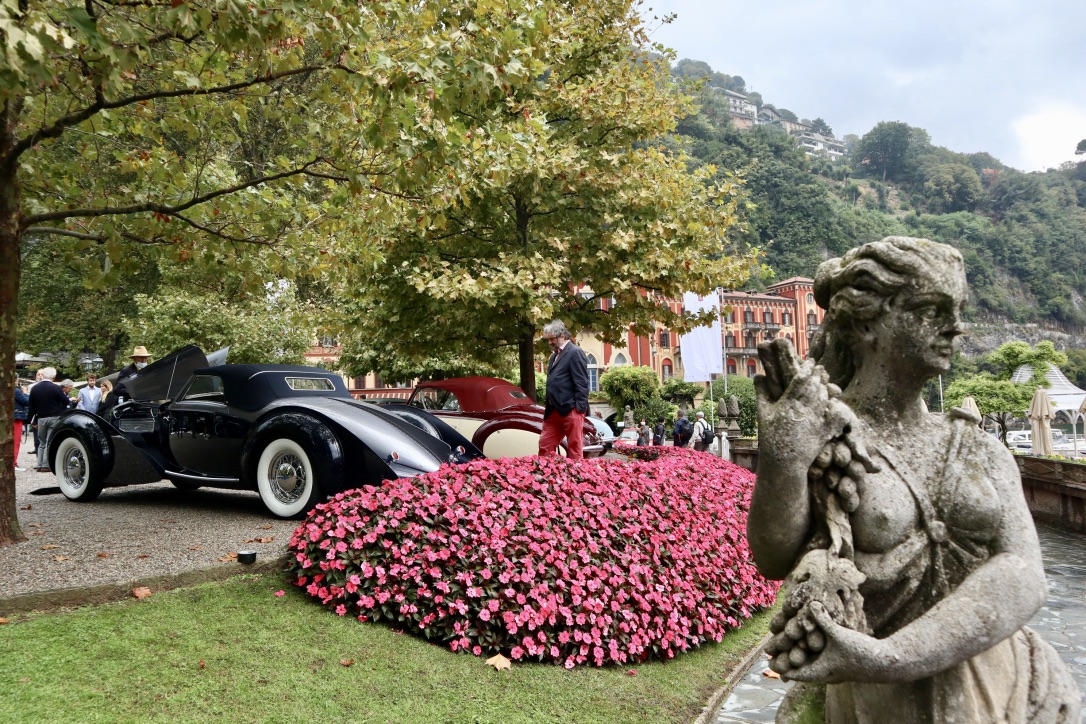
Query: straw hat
{"x": 140, "y": 352}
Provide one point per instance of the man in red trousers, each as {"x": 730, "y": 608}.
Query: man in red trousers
{"x": 567, "y": 394}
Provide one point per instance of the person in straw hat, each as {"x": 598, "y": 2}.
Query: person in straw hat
{"x": 140, "y": 355}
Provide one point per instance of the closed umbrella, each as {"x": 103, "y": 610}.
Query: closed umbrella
{"x": 1040, "y": 420}
{"x": 970, "y": 405}
{"x": 1074, "y": 428}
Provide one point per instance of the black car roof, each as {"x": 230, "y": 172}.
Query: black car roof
{"x": 251, "y": 387}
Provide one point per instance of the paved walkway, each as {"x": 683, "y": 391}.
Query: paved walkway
{"x": 1061, "y": 622}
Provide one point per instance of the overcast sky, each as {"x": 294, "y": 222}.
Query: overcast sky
{"x": 1003, "y": 76}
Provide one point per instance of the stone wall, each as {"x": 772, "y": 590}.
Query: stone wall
{"x": 1055, "y": 491}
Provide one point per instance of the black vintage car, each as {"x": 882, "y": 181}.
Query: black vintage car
{"x": 294, "y": 434}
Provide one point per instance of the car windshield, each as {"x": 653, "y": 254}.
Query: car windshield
{"x": 207, "y": 388}
{"x": 433, "y": 398}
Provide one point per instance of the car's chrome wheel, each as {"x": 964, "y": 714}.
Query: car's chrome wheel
{"x": 76, "y": 470}
{"x": 285, "y": 478}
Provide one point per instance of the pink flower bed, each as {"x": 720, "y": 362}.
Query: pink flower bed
{"x": 592, "y": 562}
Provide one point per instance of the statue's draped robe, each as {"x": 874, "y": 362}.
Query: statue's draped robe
{"x": 956, "y": 517}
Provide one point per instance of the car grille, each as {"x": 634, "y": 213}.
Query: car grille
{"x": 141, "y": 421}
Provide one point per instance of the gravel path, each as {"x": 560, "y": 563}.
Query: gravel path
{"x": 130, "y": 533}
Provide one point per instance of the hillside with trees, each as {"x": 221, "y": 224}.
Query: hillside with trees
{"x": 1023, "y": 235}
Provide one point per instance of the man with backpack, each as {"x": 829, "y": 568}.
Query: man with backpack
{"x": 682, "y": 431}
{"x": 703, "y": 433}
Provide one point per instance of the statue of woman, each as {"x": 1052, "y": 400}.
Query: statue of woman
{"x": 628, "y": 419}
{"x": 912, "y": 560}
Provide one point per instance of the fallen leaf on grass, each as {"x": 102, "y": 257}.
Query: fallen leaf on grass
{"x": 346, "y": 662}
{"x": 231, "y": 556}
{"x": 202, "y": 664}
{"x": 143, "y": 555}
{"x": 770, "y": 673}
{"x": 24, "y": 681}
{"x": 280, "y": 593}
{"x": 49, "y": 547}
{"x": 141, "y": 592}
{"x": 499, "y": 662}
{"x": 266, "y": 527}
{"x": 631, "y": 672}
{"x": 196, "y": 548}
{"x": 29, "y": 506}
{"x": 35, "y": 525}
{"x": 37, "y": 532}
{"x": 60, "y": 558}
{"x": 4, "y": 620}
{"x": 103, "y": 555}
{"x": 269, "y": 539}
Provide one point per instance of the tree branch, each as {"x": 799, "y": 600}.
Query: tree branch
{"x": 162, "y": 208}
{"x": 100, "y": 104}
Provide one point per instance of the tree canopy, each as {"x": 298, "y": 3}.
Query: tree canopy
{"x": 566, "y": 209}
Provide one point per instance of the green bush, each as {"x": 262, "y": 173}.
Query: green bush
{"x": 633, "y": 386}
{"x": 743, "y": 388}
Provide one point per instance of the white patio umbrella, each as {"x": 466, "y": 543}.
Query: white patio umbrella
{"x": 970, "y": 405}
{"x": 1040, "y": 421}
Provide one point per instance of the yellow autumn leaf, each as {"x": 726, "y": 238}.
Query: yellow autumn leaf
{"x": 499, "y": 662}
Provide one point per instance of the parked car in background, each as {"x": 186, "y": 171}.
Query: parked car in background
{"x": 293, "y": 434}
{"x": 496, "y": 415}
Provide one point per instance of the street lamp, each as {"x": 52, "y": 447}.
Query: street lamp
{"x": 91, "y": 363}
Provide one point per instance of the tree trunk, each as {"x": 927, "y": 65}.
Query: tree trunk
{"x": 10, "y": 227}
{"x": 526, "y": 349}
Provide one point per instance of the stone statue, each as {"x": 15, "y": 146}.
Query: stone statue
{"x": 910, "y": 559}
{"x": 628, "y": 419}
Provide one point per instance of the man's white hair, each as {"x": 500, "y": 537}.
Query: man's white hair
{"x": 557, "y": 328}
{"x": 48, "y": 373}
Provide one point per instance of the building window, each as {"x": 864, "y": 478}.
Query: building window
{"x": 770, "y": 334}
{"x": 667, "y": 371}
{"x": 812, "y": 318}
{"x": 731, "y": 367}
{"x": 327, "y": 341}
{"x": 620, "y": 360}
{"x": 729, "y": 318}
{"x": 786, "y": 318}
{"x": 358, "y": 383}
{"x": 752, "y": 368}
{"x": 593, "y": 374}
{"x": 752, "y": 341}
{"x": 810, "y": 298}
{"x": 767, "y": 317}
{"x": 729, "y": 340}
{"x": 748, "y": 316}
{"x": 665, "y": 339}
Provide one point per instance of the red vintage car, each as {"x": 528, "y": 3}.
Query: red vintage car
{"x": 496, "y": 415}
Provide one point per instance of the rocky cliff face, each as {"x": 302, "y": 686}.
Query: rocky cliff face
{"x": 983, "y": 337}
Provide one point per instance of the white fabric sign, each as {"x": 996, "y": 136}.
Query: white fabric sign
{"x": 703, "y": 352}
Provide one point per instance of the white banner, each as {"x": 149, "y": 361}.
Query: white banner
{"x": 702, "y": 348}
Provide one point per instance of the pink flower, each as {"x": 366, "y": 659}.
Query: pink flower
{"x": 280, "y": 593}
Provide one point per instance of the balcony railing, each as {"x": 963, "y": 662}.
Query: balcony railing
{"x": 752, "y": 324}
{"x": 771, "y": 326}
{"x": 748, "y": 351}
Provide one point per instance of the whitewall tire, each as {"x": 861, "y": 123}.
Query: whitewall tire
{"x": 286, "y": 480}
{"x": 77, "y": 472}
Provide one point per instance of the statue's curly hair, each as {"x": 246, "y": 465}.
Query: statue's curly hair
{"x": 859, "y": 286}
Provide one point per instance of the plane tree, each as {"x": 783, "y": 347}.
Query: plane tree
{"x": 568, "y": 209}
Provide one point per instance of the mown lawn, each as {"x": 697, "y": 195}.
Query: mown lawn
{"x": 233, "y": 651}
